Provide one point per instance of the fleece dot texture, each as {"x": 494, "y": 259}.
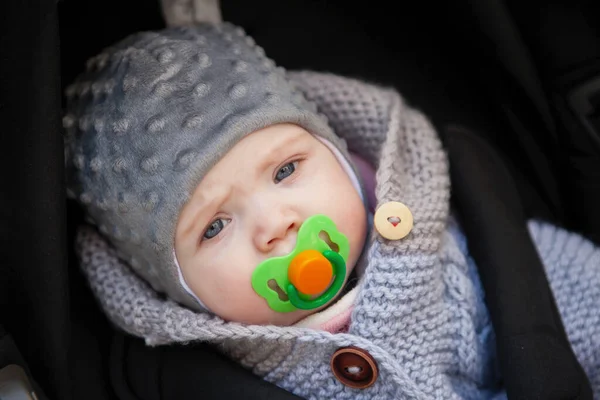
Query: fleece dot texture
{"x": 148, "y": 119}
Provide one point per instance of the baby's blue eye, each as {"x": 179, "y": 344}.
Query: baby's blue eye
{"x": 215, "y": 228}
{"x": 285, "y": 171}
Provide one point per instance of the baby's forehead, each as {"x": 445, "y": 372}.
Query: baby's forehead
{"x": 266, "y": 144}
{"x": 257, "y": 153}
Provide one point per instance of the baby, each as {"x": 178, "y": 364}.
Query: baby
{"x": 246, "y": 195}
{"x": 204, "y": 161}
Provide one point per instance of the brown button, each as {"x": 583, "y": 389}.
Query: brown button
{"x": 354, "y": 367}
{"x": 393, "y": 220}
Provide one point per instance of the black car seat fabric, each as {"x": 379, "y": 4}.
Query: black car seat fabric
{"x": 195, "y": 371}
{"x": 550, "y": 90}
{"x": 564, "y": 40}
{"x": 44, "y": 302}
{"x": 34, "y": 299}
{"x": 10, "y": 357}
{"x": 534, "y": 353}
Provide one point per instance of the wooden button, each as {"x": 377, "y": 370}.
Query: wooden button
{"x": 354, "y": 367}
{"x": 393, "y": 220}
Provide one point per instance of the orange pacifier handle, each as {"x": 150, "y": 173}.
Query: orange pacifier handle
{"x": 310, "y": 272}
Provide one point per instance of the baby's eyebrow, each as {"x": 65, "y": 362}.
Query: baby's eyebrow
{"x": 275, "y": 151}
{"x": 204, "y": 206}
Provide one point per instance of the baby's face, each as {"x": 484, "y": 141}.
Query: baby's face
{"x": 249, "y": 207}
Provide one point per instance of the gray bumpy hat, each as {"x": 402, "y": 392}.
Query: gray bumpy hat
{"x": 148, "y": 119}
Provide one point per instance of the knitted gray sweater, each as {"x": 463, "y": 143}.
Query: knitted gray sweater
{"x": 419, "y": 311}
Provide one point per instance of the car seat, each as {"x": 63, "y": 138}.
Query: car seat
{"x": 501, "y": 94}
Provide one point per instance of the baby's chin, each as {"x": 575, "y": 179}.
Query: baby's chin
{"x": 284, "y": 319}
{"x": 264, "y": 316}
{"x": 254, "y": 314}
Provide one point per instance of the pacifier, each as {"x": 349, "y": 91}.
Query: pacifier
{"x": 311, "y": 275}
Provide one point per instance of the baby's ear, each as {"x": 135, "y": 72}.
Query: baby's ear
{"x": 191, "y": 12}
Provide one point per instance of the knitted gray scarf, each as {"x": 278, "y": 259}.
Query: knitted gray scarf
{"x": 417, "y": 312}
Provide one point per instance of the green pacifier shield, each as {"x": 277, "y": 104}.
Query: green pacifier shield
{"x": 271, "y": 281}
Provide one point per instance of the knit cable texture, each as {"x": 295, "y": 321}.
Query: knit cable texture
{"x": 419, "y": 311}
{"x": 573, "y": 269}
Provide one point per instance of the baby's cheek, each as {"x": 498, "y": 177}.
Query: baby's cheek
{"x": 237, "y": 301}
{"x": 359, "y": 229}
{"x": 249, "y": 307}
{"x": 246, "y": 306}
{"x": 353, "y": 221}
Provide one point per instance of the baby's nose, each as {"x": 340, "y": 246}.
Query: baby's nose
{"x": 284, "y": 241}
{"x": 277, "y": 234}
